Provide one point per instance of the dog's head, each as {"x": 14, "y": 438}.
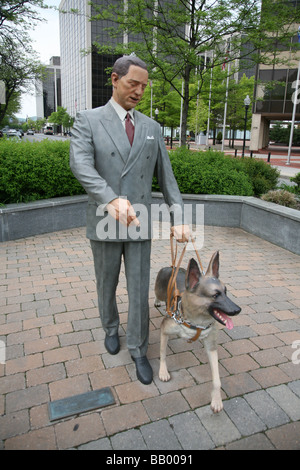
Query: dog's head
{"x": 208, "y": 294}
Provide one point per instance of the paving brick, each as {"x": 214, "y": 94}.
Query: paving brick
{"x": 266, "y": 408}
{"x": 22, "y": 364}
{"x": 61, "y": 355}
{"x": 135, "y": 391}
{"x": 268, "y": 357}
{"x": 244, "y": 418}
{"x": 163, "y": 406}
{"x": 241, "y": 346}
{"x": 160, "y": 436}
{"x": 128, "y": 440}
{"x": 295, "y": 387}
{"x": 121, "y": 418}
{"x": 77, "y": 431}
{"x": 84, "y": 365}
{"x": 269, "y": 376}
{"x": 242, "y": 363}
{"x": 100, "y": 444}
{"x": 285, "y": 437}
{"x": 257, "y": 442}
{"x": 198, "y": 395}
{"x": 241, "y": 332}
{"x": 13, "y": 424}
{"x": 69, "y": 387}
{"x": 287, "y": 400}
{"x": 218, "y": 425}
{"x": 239, "y": 384}
{"x": 22, "y": 399}
{"x": 41, "y": 439}
{"x": 45, "y": 375}
{"x": 41, "y": 345}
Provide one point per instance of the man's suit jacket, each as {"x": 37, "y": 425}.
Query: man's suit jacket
{"x": 103, "y": 161}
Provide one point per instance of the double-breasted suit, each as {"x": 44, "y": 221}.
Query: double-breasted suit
{"x": 108, "y": 167}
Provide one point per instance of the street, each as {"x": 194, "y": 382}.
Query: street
{"x": 40, "y": 137}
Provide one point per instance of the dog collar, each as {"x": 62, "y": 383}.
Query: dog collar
{"x": 177, "y": 317}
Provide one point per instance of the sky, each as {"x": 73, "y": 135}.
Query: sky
{"x": 45, "y": 41}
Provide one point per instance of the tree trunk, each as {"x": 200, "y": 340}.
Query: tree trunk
{"x": 185, "y": 108}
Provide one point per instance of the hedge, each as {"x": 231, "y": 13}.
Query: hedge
{"x": 40, "y": 170}
{"x": 35, "y": 170}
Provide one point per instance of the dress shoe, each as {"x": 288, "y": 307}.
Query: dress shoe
{"x": 143, "y": 370}
{"x": 112, "y": 344}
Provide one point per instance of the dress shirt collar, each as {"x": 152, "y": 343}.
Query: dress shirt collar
{"x": 121, "y": 111}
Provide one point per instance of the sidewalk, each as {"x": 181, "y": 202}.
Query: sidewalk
{"x": 54, "y": 349}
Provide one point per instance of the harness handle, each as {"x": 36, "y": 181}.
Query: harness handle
{"x": 172, "y": 306}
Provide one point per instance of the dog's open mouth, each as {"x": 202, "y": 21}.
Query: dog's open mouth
{"x": 222, "y": 318}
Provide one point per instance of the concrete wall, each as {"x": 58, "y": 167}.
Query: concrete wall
{"x": 274, "y": 223}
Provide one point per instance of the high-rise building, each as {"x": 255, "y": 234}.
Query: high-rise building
{"x": 84, "y": 83}
{"x": 48, "y": 90}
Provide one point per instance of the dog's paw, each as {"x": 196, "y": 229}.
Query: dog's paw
{"x": 157, "y": 303}
{"x": 216, "y": 402}
{"x": 163, "y": 374}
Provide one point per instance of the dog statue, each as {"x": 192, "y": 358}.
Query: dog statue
{"x": 203, "y": 302}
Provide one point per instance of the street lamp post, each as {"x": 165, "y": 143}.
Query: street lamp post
{"x": 247, "y": 102}
{"x": 156, "y": 114}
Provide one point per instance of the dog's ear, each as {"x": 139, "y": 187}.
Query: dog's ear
{"x": 193, "y": 275}
{"x": 213, "y": 267}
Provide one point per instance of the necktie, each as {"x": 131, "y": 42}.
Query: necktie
{"x": 129, "y": 127}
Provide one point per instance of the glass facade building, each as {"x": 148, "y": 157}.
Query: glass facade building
{"x": 85, "y": 82}
{"x": 48, "y": 91}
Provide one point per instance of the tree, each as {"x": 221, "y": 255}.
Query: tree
{"x": 18, "y": 17}
{"x": 61, "y": 118}
{"x": 19, "y": 66}
{"x": 165, "y": 100}
{"x": 175, "y": 35}
{"x": 17, "y": 71}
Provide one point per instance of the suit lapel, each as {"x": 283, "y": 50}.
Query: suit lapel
{"x": 115, "y": 130}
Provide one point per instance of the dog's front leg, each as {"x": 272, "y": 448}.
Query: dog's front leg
{"x": 216, "y": 399}
{"x": 163, "y": 370}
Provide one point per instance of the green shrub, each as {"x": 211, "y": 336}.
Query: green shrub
{"x": 209, "y": 173}
{"x": 35, "y": 170}
{"x": 282, "y": 197}
{"x": 296, "y": 179}
{"x": 263, "y": 176}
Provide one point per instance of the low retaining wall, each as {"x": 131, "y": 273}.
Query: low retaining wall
{"x": 276, "y": 224}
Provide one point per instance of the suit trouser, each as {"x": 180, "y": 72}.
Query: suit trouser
{"x": 107, "y": 261}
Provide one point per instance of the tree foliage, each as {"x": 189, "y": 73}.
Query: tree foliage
{"x": 173, "y": 36}
{"x": 19, "y": 66}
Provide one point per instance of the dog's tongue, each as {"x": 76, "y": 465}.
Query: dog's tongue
{"x": 229, "y": 322}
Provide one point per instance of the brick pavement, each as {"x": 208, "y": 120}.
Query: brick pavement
{"x": 54, "y": 349}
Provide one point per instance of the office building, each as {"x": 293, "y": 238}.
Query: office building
{"x": 48, "y": 90}
{"x": 274, "y": 103}
{"x": 84, "y": 83}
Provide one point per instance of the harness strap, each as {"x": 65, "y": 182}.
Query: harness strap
{"x": 173, "y": 294}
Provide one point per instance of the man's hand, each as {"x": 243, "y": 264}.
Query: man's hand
{"x": 121, "y": 210}
{"x": 181, "y": 233}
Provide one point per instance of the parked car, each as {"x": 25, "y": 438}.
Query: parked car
{"x": 30, "y": 132}
{"x": 12, "y": 133}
